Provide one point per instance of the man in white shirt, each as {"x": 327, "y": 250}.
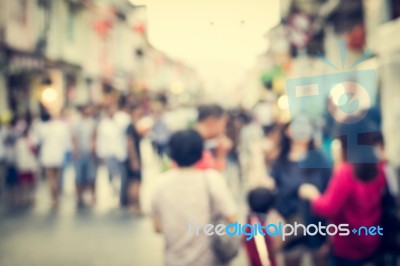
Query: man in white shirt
{"x": 122, "y": 120}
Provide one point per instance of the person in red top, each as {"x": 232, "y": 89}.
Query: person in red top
{"x": 354, "y": 196}
{"x": 211, "y": 124}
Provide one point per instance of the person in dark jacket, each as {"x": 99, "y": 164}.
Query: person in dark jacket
{"x": 300, "y": 162}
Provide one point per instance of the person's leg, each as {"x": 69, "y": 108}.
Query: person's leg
{"x": 92, "y": 173}
{"x": 52, "y": 175}
{"x": 58, "y": 172}
{"x": 114, "y": 172}
{"x": 134, "y": 193}
{"x": 79, "y": 176}
{"x": 14, "y": 192}
{"x": 23, "y": 187}
{"x": 124, "y": 198}
{"x": 108, "y": 164}
{"x": 31, "y": 188}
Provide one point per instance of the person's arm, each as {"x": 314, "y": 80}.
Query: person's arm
{"x": 75, "y": 148}
{"x": 99, "y": 141}
{"x": 334, "y": 199}
{"x": 93, "y": 141}
{"x": 156, "y": 223}
{"x": 224, "y": 146}
{"x": 73, "y": 137}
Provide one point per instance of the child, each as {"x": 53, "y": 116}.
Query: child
{"x": 26, "y": 165}
{"x": 260, "y": 253}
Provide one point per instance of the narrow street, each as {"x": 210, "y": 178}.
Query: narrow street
{"x": 246, "y": 133}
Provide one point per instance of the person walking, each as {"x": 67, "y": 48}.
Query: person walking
{"x": 211, "y": 125}
{"x": 134, "y": 165}
{"x": 107, "y": 134}
{"x": 299, "y": 162}
{"x": 55, "y": 141}
{"x": 122, "y": 121}
{"x": 193, "y": 189}
{"x": 84, "y": 155}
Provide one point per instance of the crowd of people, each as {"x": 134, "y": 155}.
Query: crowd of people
{"x": 32, "y": 148}
{"x": 306, "y": 187}
{"x": 300, "y": 181}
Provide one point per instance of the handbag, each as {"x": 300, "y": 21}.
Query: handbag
{"x": 294, "y": 240}
{"x": 225, "y": 247}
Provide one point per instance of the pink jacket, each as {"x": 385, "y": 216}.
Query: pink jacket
{"x": 349, "y": 200}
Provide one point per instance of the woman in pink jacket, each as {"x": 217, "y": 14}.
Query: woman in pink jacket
{"x": 354, "y": 197}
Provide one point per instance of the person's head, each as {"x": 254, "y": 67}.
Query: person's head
{"x": 298, "y": 131}
{"x": 211, "y": 120}
{"x": 261, "y": 200}
{"x": 123, "y": 102}
{"x": 365, "y": 159}
{"x": 185, "y": 147}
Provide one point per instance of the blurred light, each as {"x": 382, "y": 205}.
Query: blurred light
{"x": 145, "y": 123}
{"x": 5, "y": 117}
{"x": 283, "y": 102}
{"x": 49, "y": 95}
{"x": 177, "y": 88}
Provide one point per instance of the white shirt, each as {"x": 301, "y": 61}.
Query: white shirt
{"x": 55, "y": 142}
{"x": 181, "y": 197}
{"x": 83, "y": 132}
{"x": 107, "y": 135}
{"x": 25, "y": 159}
{"x": 122, "y": 120}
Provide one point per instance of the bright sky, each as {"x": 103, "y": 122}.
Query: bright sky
{"x": 220, "y": 38}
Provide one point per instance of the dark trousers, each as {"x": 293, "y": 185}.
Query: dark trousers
{"x": 124, "y": 192}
